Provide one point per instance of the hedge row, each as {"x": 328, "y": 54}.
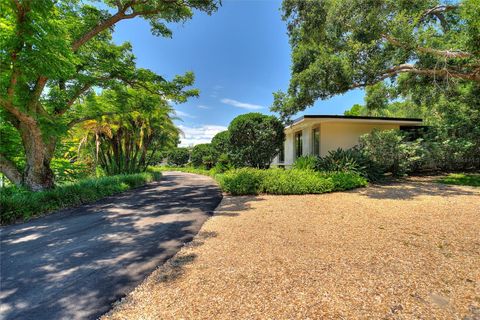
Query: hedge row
{"x": 279, "y": 181}
{"x": 18, "y": 204}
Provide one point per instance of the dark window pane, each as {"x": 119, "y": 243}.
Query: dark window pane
{"x": 316, "y": 141}
{"x": 298, "y": 144}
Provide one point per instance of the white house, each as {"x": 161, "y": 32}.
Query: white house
{"x": 318, "y": 134}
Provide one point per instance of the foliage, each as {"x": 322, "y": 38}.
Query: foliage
{"x": 350, "y": 160}
{"x": 178, "y": 157}
{"x": 220, "y": 142}
{"x": 68, "y": 171}
{"x": 242, "y": 181}
{"x": 202, "y": 155}
{"x": 355, "y": 110}
{"x": 211, "y": 173}
{"x": 390, "y": 152}
{"x": 18, "y": 203}
{"x": 127, "y": 140}
{"x": 336, "y": 47}
{"x": 245, "y": 181}
{"x": 55, "y": 52}
{"x": 278, "y": 181}
{"x": 223, "y": 163}
{"x": 255, "y": 139}
{"x": 452, "y": 139}
{"x": 305, "y": 163}
{"x": 463, "y": 179}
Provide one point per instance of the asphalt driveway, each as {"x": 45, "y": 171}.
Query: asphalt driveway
{"x": 75, "y": 263}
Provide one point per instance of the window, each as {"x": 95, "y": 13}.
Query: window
{"x": 298, "y": 144}
{"x": 316, "y": 141}
{"x": 281, "y": 155}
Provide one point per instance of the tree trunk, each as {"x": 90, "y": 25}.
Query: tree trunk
{"x": 10, "y": 170}
{"x": 37, "y": 175}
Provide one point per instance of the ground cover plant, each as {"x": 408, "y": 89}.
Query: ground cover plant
{"x": 22, "y": 204}
{"x": 463, "y": 179}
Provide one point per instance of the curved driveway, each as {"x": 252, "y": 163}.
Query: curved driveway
{"x": 75, "y": 263}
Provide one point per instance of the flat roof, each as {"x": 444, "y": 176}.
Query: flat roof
{"x": 328, "y": 116}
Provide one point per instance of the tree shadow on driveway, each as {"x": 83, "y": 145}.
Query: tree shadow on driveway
{"x": 74, "y": 263}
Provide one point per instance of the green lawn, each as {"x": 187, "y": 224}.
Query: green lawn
{"x": 463, "y": 179}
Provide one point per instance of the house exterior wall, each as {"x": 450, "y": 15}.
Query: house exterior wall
{"x": 333, "y": 135}
{"x": 289, "y": 148}
{"x": 346, "y": 135}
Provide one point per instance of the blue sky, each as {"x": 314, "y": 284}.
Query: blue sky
{"x": 240, "y": 55}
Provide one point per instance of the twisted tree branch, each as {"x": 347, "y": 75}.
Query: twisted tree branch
{"x": 10, "y": 170}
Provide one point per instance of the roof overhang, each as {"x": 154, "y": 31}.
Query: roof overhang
{"x": 311, "y": 119}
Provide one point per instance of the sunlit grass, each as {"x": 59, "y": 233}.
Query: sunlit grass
{"x": 20, "y": 204}
{"x": 462, "y": 179}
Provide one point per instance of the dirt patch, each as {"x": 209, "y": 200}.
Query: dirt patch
{"x": 407, "y": 250}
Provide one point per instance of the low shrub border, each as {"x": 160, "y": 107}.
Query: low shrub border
{"x": 278, "y": 181}
{"x": 16, "y": 204}
{"x": 249, "y": 181}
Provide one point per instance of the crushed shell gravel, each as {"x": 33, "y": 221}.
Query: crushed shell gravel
{"x": 408, "y": 250}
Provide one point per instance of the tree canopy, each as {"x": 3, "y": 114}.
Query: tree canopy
{"x": 139, "y": 128}
{"x": 54, "y": 53}
{"x": 339, "y": 45}
{"x": 255, "y": 139}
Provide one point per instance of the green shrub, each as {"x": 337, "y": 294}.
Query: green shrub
{"x": 350, "y": 160}
{"x": 254, "y": 139}
{"x": 202, "y": 155}
{"x": 305, "y": 163}
{"x": 178, "y": 157}
{"x": 221, "y": 142}
{"x": 252, "y": 181}
{"x": 16, "y": 203}
{"x": 347, "y": 180}
{"x": 66, "y": 171}
{"x": 278, "y": 181}
{"x": 223, "y": 163}
{"x": 390, "y": 151}
{"x": 242, "y": 181}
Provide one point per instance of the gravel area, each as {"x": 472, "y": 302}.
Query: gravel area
{"x": 408, "y": 250}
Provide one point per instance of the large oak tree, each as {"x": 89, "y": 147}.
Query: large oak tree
{"x": 53, "y": 53}
{"x": 339, "y": 45}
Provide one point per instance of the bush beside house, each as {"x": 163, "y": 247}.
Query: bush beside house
{"x": 255, "y": 139}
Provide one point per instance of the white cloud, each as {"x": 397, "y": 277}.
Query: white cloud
{"x": 183, "y": 114}
{"x": 242, "y": 105}
{"x": 201, "y": 134}
{"x": 203, "y": 107}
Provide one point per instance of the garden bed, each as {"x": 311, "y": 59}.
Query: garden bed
{"x": 19, "y": 204}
